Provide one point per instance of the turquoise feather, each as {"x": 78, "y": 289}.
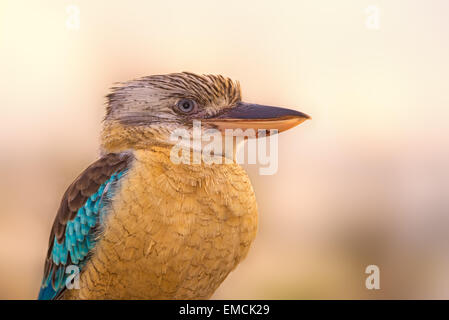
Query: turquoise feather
{"x": 79, "y": 238}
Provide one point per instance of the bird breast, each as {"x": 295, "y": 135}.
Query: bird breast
{"x": 173, "y": 231}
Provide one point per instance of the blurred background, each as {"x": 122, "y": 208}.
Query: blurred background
{"x": 365, "y": 182}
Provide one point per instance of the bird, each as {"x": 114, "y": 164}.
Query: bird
{"x": 135, "y": 224}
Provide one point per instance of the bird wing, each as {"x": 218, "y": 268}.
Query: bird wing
{"x": 80, "y": 214}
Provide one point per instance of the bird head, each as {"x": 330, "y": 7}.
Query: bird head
{"x": 145, "y": 112}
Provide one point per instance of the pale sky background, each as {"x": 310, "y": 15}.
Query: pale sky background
{"x": 365, "y": 182}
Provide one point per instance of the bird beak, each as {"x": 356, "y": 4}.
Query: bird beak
{"x": 254, "y": 116}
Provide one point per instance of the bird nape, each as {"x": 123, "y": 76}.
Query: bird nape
{"x": 136, "y": 224}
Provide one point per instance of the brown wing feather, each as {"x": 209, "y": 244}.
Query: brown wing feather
{"x": 85, "y": 185}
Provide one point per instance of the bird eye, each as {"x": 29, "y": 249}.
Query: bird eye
{"x": 186, "y": 105}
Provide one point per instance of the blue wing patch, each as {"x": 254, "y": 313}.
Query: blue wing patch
{"x": 79, "y": 238}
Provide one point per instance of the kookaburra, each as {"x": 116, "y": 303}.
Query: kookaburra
{"x": 136, "y": 225}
